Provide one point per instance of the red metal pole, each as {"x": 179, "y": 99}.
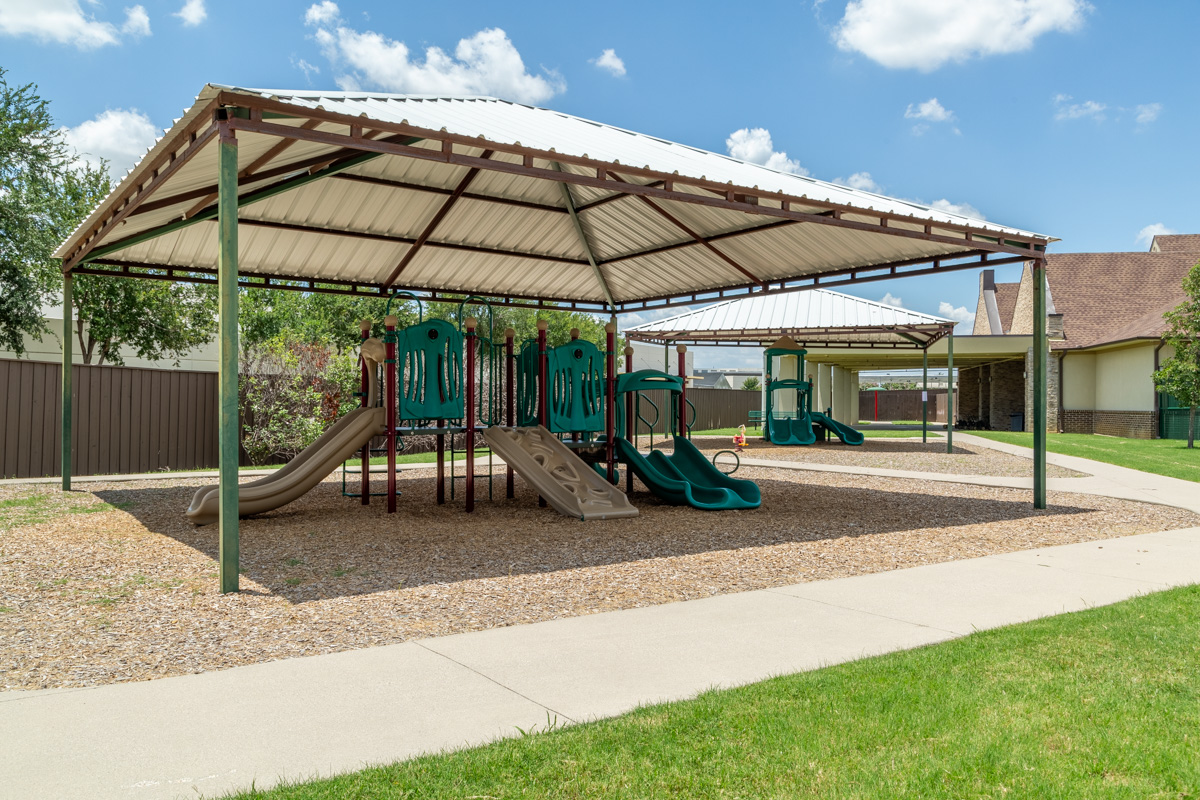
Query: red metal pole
{"x": 682, "y": 350}
{"x": 876, "y": 406}
{"x": 630, "y": 422}
{"x": 610, "y": 397}
{"x": 364, "y": 327}
{"x": 543, "y": 372}
{"x": 441, "y": 464}
{"x": 510, "y": 411}
{"x": 389, "y": 324}
{"x": 469, "y": 324}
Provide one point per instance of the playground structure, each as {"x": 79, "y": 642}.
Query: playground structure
{"x": 789, "y": 418}
{"x": 554, "y": 414}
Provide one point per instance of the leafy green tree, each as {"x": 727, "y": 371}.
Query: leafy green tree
{"x": 751, "y": 384}
{"x": 32, "y": 219}
{"x": 1180, "y": 374}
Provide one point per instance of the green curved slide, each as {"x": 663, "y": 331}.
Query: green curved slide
{"x": 792, "y": 430}
{"x": 844, "y": 432}
{"x": 686, "y": 477}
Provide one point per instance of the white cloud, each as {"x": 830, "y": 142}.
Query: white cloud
{"x": 964, "y": 318}
{"x": 755, "y": 145}
{"x": 1146, "y": 235}
{"x": 1065, "y": 109}
{"x": 963, "y": 209}
{"x": 118, "y": 136}
{"x": 930, "y": 110}
{"x": 486, "y": 63}
{"x": 890, "y": 300}
{"x": 926, "y": 34}
{"x": 324, "y": 13}
{"x": 860, "y": 180}
{"x": 609, "y": 60}
{"x": 308, "y": 69}
{"x": 61, "y": 21}
{"x": 1147, "y": 113}
{"x": 192, "y": 13}
{"x": 137, "y": 22}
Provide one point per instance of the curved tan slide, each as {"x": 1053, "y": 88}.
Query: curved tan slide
{"x": 299, "y": 475}
{"x": 570, "y": 485}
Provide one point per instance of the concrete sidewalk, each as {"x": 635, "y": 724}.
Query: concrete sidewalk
{"x": 305, "y": 717}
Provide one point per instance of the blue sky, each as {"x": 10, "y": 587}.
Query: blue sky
{"x": 1072, "y": 119}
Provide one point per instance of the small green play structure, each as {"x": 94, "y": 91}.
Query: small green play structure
{"x": 789, "y": 418}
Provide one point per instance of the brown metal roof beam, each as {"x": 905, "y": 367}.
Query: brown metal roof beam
{"x": 433, "y": 223}
{"x": 387, "y": 237}
{"x": 596, "y": 167}
{"x": 707, "y": 245}
{"x": 609, "y": 199}
{"x": 692, "y": 242}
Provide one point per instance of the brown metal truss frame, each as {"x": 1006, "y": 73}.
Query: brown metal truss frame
{"x": 919, "y": 337}
{"x": 251, "y": 114}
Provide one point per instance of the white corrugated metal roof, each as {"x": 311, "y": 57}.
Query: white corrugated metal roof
{"x": 814, "y": 316}
{"x": 357, "y": 225}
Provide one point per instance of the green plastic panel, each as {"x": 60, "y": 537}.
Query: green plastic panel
{"x": 576, "y": 397}
{"x": 430, "y": 371}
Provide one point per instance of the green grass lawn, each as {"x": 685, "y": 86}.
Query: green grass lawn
{"x": 1103, "y": 703}
{"x": 1169, "y": 457}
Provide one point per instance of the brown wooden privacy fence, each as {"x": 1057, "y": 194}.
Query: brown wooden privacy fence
{"x": 126, "y": 419}
{"x": 715, "y": 408}
{"x": 893, "y": 404}
{"x": 130, "y": 420}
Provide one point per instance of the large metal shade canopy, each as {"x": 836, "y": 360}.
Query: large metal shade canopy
{"x": 368, "y": 194}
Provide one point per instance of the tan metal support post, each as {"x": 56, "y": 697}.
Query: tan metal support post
{"x": 68, "y": 405}
{"x": 1040, "y": 348}
{"x": 227, "y": 288}
{"x": 924, "y": 395}
{"x": 950, "y": 393}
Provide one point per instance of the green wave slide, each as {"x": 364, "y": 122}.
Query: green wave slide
{"x": 844, "y": 432}
{"x": 686, "y": 477}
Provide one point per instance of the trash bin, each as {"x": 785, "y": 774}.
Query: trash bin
{"x": 1016, "y": 422}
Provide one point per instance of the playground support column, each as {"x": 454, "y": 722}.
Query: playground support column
{"x": 469, "y": 475}
{"x": 682, "y": 350}
{"x": 1040, "y": 347}
{"x": 924, "y": 395}
{"x": 68, "y": 405}
{"x": 610, "y": 395}
{"x": 543, "y": 376}
{"x": 227, "y": 378}
{"x": 364, "y": 327}
{"x": 510, "y": 404}
{"x": 389, "y": 367}
{"x": 950, "y": 393}
{"x": 630, "y": 422}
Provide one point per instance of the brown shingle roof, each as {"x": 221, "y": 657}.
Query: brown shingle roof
{"x": 1109, "y": 297}
{"x": 1176, "y": 243}
{"x": 1006, "y": 303}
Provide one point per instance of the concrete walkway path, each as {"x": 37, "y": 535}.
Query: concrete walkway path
{"x": 307, "y": 717}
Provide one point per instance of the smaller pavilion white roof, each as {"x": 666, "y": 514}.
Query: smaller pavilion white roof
{"x": 814, "y": 317}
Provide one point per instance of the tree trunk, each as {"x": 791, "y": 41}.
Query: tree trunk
{"x": 85, "y": 345}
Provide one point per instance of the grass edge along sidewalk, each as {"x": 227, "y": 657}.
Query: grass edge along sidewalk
{"x": 1098, "y": 703}
{"x": 1169, "y": 457}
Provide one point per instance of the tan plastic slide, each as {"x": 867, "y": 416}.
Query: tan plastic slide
{"x": 571, "y": 486}
{"x": 299, "y": 475}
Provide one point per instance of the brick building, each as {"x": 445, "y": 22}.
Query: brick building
{"x": 1105, "y": 323}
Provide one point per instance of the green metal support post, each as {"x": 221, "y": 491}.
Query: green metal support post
{"x": 950, "y": 393}
{"x": 227, "y": 287}
{"x": 68, "y": 405}
{"x": 1040, "y": 347}
{"x": 924, "y": 395}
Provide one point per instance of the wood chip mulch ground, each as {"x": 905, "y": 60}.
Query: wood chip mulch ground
{"x": 111, "y": 584}
{"x": 883, "y": 453}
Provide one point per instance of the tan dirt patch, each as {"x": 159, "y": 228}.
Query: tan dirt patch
{"x": 129, "y": 592}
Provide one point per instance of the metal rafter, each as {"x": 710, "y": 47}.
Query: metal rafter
{"x": 583, "y": 239}
{"x": 433, "y": 223}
